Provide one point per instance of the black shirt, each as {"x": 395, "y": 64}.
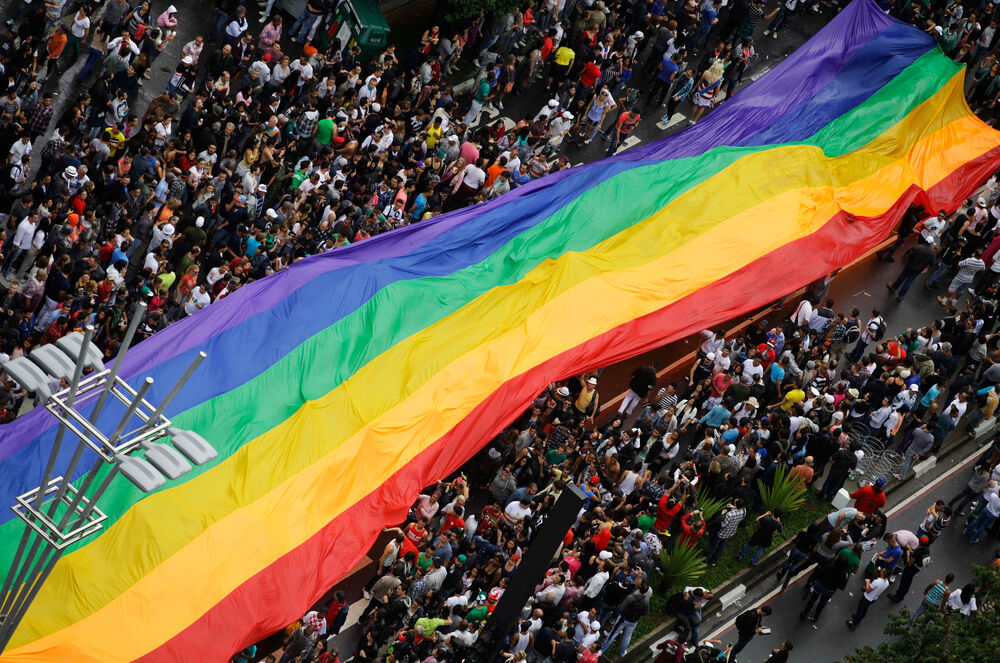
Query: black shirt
{"x": 56, "y": 286}
{"x": 747, "y": 623}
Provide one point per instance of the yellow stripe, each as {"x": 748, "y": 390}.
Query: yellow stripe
{"x": 571, "y": 269}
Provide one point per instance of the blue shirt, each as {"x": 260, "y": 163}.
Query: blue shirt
{"x": 708, "y": 15}
{"x": 777, "y": 373}
{"x": 252, "y": 246}
{"x": 715, "y": 417}
{"x": 669, "y": 69}
{"x": 419, "y": 204}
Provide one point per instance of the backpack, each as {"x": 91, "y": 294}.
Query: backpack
{"x": 852, "y": 333}
{"x": 876, "y": 329}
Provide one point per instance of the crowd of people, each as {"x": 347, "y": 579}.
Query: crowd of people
{"x": 265, "y": 147}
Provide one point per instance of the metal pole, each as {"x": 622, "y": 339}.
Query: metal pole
{"x": 132, "y": 407}
{"x": 17, "y": 611}
{"x": 109, "y": 383}
{"x": 28, "y": 532}
{"x": 34, "y": 585}
{"x": 88, "y": 334}
{"x": 176, "y": 388}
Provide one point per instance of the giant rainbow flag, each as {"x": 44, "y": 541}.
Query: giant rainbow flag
{"x": 339, "y": 388}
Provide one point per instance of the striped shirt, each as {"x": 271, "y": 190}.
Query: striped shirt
{"x": 936, "y": 594}
{"x": 665, "y": 402}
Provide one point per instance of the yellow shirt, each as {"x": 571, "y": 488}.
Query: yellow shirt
{"x": 793, "y": 396}
{"x": 434, "y": 135}
{"x": 564, "y": 55}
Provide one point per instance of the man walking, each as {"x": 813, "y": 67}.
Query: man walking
{"x": 643, "y": 379}
{"x": 748, "y": 625}
{"x": 632, "y": 608}
{"x": 986, "y": 517}
{"x": 917, "y": 260}
{"x": 873, "y": 590}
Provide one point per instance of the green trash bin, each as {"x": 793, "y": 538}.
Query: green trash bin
{"x": 361, "y": 22}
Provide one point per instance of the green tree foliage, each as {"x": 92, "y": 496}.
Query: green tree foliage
{"x": 943, "y": 636}
{"x": 784, "y": 493}
{"x": 709, "y": 506}
{"x": 681, "y": 565}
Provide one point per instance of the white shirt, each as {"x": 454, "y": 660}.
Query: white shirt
{"x": 751, "y": 370}
{"x": 199, "y": 300}
{"x": 24, "y": 234}
{"x": 955, "y": 603}
{"x": 516, "y": 512}
{"x": 19, "y": 149}
{"x": 932, "y": 228}
{"x": 80, "y": 26}
{"x": 878, "y": 585}
{"x": 305, "y": 71}
{"x": 474, "y": 176}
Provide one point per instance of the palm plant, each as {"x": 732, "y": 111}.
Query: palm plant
{"x": 784, "y": 492}
{"x": 680, "y": 566}
{"x": 709, "y": 506}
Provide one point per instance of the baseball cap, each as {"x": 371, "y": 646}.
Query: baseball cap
{"x": 199, "y": 222}
{"x": 924, "y": 540}
{"x": 710, "y": 356}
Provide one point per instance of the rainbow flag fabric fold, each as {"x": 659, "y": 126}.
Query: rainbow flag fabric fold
{"x": 337, "y": 389}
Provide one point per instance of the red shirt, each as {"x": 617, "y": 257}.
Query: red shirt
{"x": 867, "y": 500}
{"x": 591, "y": 72}
{"x": 602, "y": 539}
{"x": 689, "y": 535}
{"x": 664, "y": 514}
{"x": 546, "y": 47}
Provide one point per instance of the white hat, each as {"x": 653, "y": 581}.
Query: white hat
{"x": 595, "y": 625}
{"x": 70, "y": 170}
{"x": 829, "y": 398}
{"x": 604, "y": 554}
{"x": 938, "y": 29}
{"x": 376, "y": 107}
{"x": 563, "y": 391}
{"x": 710, "y": 355}
{"x": 638, "y": 35}
{"x": 271, "y": 214}
{"x": 199, "y": 222}
{"x": 553, "y": 103}
{"x": 592, "y": 380}
{"x": 567, "y": 115}
{"x": 262, "y": 188}
{"x": 187, "y": 59}
{"x": 914, "y": 387}
{"x": 171, "y": 9}
{"x": 453, "y": 138}
{"x": 981, "y": 202}
{"x": 168, "y": 230}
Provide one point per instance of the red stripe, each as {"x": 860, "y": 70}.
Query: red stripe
{"x": 287, "y": 588}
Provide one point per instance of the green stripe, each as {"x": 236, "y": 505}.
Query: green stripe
{"x": 230, "y": 420}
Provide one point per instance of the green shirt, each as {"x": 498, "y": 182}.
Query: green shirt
{"x": 853, "y": 561}
{"x": 553, "y": 457}
{"x": 477, "y": 614}
{"x": 645, "y": 523}
{"x": 430, "y": 624}
{"x": 324, "y": 131}
{"x": 483, "y": 92}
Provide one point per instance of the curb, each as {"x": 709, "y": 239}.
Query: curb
{"x": 754, "y": 576}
